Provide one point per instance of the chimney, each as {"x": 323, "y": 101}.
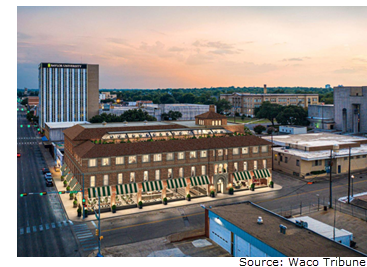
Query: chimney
{"x": 265, "y": 90}
{"x": 212, "y": 108}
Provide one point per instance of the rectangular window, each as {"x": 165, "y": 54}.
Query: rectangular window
{"x": 92, "y": 162}
{"x": 169, "y": 174}
{"x": 157, "y": 174}
{"x": 245, "y": 166}
{"x": 181, "y": 155}
{"x": 245, "y": 150}
{"x": 92, "y": 181}
{"x": 157, "y": 157}
{"x": 285, "y": 159}
{"x": 297, "y": 162}
{"x": 203, "y": 153}
{"x": 169, "y": 156}
{"x": 264, "y": 149}
{"x": 264, "y": 163}
{"x": 192, "y": 154}
{"x": 119, "y": 160}
{"x": 181, "y": 172}
{"x": 105, "y": 180}
{"x": 346, "y": 158}
{"x": 364, "y": 156}
{"x": 145, "y": 176}
{"x": 213, "y": 152}
{"x": 236, "y": 151}
{"x": 255, "y": 149}
{"x": 235, "y": 165}
{"x": 193, "y": 171}
{"x": 255, "y": 164}
{"x": 105, "y": 161}
{"x": 119, "y": 178}
{"x": 145, "y": 158}
{"x": 132, "y": 177}
{"x": 132, "y": 159}
{"x": 203, "y": 170}
{"x": 220, "y": 152}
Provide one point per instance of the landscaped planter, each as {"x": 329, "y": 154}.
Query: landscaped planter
{"x": 124, "y": 207}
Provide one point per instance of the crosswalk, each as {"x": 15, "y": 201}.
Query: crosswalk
{"x": 44, "y": 227}
{"x": 29, "y": 143}
{"x": 29, "y": 137}
{"x": 85, "y": 237}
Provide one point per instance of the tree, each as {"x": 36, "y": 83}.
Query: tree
{"x": 24, "y": 102}
{"x": 270, "y": 130}
{"x": 223, "y": 105}
{"x": 129, "y": 115}
{"x": 247, "y": 131}
{"x": 268, "y": 111}
{"x": 259, "y": 129}
{"x": 293, "y": 115}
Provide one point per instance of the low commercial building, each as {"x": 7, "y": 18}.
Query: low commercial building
{"x": 245, "y": 103}
{"x": 248, "y": 230}
{"x": 54, "y": 131}
{"x": 308, "y": 155}
{"x": 321, "y": 117}
{"x": 148, "y": 161}
{"x": 33, "y": 101}
{"x": 291, "y": 129}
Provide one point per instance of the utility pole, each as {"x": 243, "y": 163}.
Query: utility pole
{"x": 331, "y": 189}
{"x": 349, "y": 177}
{"x": 272, "y": 163}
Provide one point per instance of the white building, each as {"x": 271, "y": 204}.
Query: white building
{"x": 292, "y": 129}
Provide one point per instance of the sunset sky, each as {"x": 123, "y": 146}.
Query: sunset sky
{"x": 182, "y": 47}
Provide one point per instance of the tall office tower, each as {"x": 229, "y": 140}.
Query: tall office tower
{"x": 67, "y": 92}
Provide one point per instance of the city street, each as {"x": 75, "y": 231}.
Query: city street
{"x": 42, "y": 227}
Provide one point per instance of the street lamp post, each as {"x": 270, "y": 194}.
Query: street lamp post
{"x": 349, "y": 177}
{"x": 318, "y": 202}
{"x": 352, "y": 184}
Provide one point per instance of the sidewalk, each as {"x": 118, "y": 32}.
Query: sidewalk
{"x": 71, "y": 212}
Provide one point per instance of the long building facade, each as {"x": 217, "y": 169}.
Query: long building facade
{"x": 148, "y": 161}
{"x": 67, "y": 92}
{"x": 245, "y": 103}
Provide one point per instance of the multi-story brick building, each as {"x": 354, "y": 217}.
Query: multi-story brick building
{"x": 245, "y": 103}
{"x": 151, "y": 160}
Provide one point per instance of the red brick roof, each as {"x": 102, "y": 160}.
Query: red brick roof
{"x": 79, "y": 133}
{"x": 210, "y": 115}
{"x": 91, "y": 150}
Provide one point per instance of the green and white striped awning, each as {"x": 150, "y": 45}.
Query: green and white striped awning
{"x": 66, "y": 170}
{"x": 199, "y": 180}
{"x": 77, "y": 187}
{"x": 123, "y": 189}
{"x": 152, "y": 186}
{"x": 63, "y": 167}
{"x": 103, "y": 191}
{"x": 264, "y": 173}
{"x": 245, "y": 175}
{"x": 73, "y": 182}
{"x": 68, "y": 177}
{"x": 176, "y": 183}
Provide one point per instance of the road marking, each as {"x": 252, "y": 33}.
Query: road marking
{"x": 140, "y": 224}
{"x": 41, "y": 227}
{"x": 22, "y": 231}
{"x": 86, "y": 236}
{"x": 91, "y": 248}
{"x": 47, "y": 226}
{"x": 94, "y": 224}
{"x": 53, "y": 225}
{"x": 34, "y": 229}
{"x": 28, "y": 230}
{"x": 71, "y": 222}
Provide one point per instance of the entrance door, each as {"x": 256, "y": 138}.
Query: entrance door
{"x": 220, "y": 235}
{"x": 339, "y": 168}
{"x": 220, "y": 186}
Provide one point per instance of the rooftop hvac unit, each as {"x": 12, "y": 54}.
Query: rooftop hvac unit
{"x": 260, "y": 220}
{"x": 283, "y": 228}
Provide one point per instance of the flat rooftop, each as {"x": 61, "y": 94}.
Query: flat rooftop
{"x": 297, "y": 242}
{"x": 55, "y": 125}
{"x": 121, "y": 124}
{"x": 315, "y": 139}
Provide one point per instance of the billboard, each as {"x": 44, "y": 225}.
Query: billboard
{"x": 63, "y": 65}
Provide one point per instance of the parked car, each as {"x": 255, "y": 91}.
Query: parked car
{"x": 49, "y": 182}
{"x": 45, "y": 170}
{"x": 57, "y": 169}
{"x": 48, "y": 176}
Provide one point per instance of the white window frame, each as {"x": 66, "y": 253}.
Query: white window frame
{"x": 92, "y": 160}
{"x": 193, "y": 169}
{"x": 168, "y": 171}
{"x": 203, "y": 170}
{"x": 108, "y": 162}
{"x": 202, "y": 152}
{"x": 93, "y": 178}
{"x": 194, "y": 154}
{"x": 104, "y": 179}
{"x": 132, "y": 157}
{"x": 244, "y": 150}
{"x": 236, "y": 151}
{"x": 220, "y": 152}
{"x": 145, "y": 156}
{"x": 180, "y": 153}
{"x": 132, "y": 177}
{"x": 255, "y": 164}
{"x": 172, "y": 156}
{"x": 235, "y": 166}
{"x": 181, "y": 172}
{"x": 245, "y": 166}
{"x": 119, "y": 160}
{"x": 255, "y": 149}
{"x": 264, "y": 163}
{"x": 157, "y": 157}
{"x": 146, "y": 175}
{"x": 120, "y": 178}
{"x": 264, "y": 149}
{"x": 157, "y": 175}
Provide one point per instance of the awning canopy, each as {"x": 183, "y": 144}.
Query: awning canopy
{"x": 44, "y": 138}
{"x": 176, "y": 183}
{"x": 103, "y": 191}
{"x": 77, "y": 187}
{"x": 73, "y": 182}
{"x": 123, "y": 189}
{"x": 68, "y": 177}
{"x": 199, "y": 180}
{"x": 65, "y": 172}
{"x": 63, "y": 168}
{"x": 245, "y": 175}
{"x": 152, "y": 186}
{"x": 264, "y": 173}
